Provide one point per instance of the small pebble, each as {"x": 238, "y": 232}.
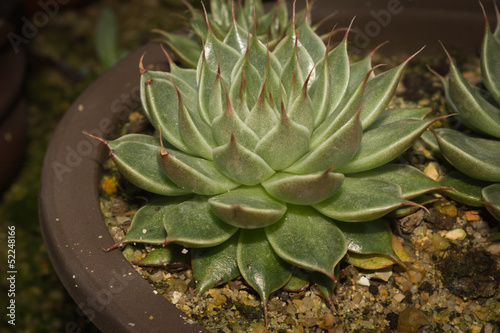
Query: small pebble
{"x": 411, "y": 319}
{"x": 416, "y": 275}
{"x": 494, "y": 248}
{"x": 363, "y": 280}
{"x": 457, "y": 234}
{"x": 446, "y": 207}
{"x": 403, "y": 283}
{"x": 472, "y": 215}
{"x": 373, "y": 289}
{"x": 439, "y": 242}
{"x": 327, "y": 321}
{"x": 399, "y": 297}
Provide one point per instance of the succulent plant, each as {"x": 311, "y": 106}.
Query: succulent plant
{"x": 271, "y": 26}
{"x": 475, "y": 153}
{"x": 272, "y": 162}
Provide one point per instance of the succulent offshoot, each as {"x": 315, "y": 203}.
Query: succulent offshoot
{"x": 271, "y": 158}
{"x": 476, "y": 155}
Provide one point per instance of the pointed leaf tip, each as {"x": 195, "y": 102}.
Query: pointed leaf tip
{"x": 377, "y": 48}
{"x": 104, "y": 141}
{"x": 142, "y": 70}
{"x": 446, "y": 51}
{"x": 349, "y": 28}
{"x": 206, "y": 17}
{"x": 487, "y": 23}
{"x": 170, "y": 61}
{"x": 414, "y": 204}
{"x": 414, "y": 55}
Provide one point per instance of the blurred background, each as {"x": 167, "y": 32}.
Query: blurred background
{"x": 50, "y": 51}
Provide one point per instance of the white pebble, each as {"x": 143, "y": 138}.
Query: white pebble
{"x": 364, "y": 281}
{"x": 176, "y": 296}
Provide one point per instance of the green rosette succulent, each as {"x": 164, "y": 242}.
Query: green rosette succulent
{"x": 272, "y": 163}
{"x": 271, "y": 26}
{"x": 475, "y": 154}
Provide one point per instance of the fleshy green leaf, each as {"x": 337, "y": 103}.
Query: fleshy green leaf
{"x": 391, "y": 115}
{"x": 311, "y": 42}
{"x": 186, "y": 50}
{"x": 147, "y": 224}
{"x": 158, "y": 96}
{"x": 241, "y": 164}
{"x": 490, "y": 57}
{"x": 326, "y": 285}
{"x": 383, "y": 144}
{"x": 491, "y": 195}
{"x": 219, "y": 54}
{"x": 184, "y": 84}
{"x": 335, "y": 151}
{"x": 187, "y": 75}
{"x": 476, "y": 157}
{"x": 247, "y": 208}
{"x": 245, "y": 71}
{"x": 186, "y": 89}
{"x": 339, "y": 117}
{"x": 221, "y": 12}
{"x": 293, "y": 74}
{"x": 215, "y": 101}
{"x": 303, "y": 189}
{"x": 283, "y": 144}
{"x": 195, "y": 174}
{"x": 379, "y": 92}
{"x": 358, "y": 71}
{"x": 299, "y": 280}
{"x": 368, "y": 237}
{"x": 467, "y": 189}
{"x": 215, "y": 265}
{"x": 237, "y": 38}
{"x": 195, "y": 132}
{"x": 259, "y": 265}
{"x": 207, "y": 83}
{"x": 192, "y": 223}
{"x": 262, "y": 117}
{"x": 372, "y": 261}
{"x": 320, "y": 92}
{"x": 307, "y": 239}
{"x": 431, "y": 143}
{"x": 376, "y": 261}
{"x": 412, "y": 181}
{"x": 259, "y": 57}
{"x": 475, "y": 111}
{"x": 138, "y": 162}
{"x": 301, "y": 110}
{"x": 339, "y": 74}
{"x": 229, "y": 124}
{"x": 361, "y": 200}
{"x": 240, "y": 99}
{"x": 165, "y": 256}
{"x": 496, "y": 33}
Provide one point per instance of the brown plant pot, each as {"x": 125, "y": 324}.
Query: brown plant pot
{"x": 105, "y": 285}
